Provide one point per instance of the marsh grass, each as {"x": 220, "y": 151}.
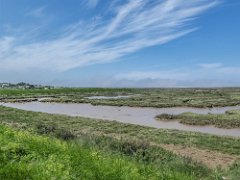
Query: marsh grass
{"x": 44, "y": 146}
{"x": 129, "y": 141}
{"x": 145, "y": 97}
{"x": 80, "y": 125}
{"x": 230, "y": 119}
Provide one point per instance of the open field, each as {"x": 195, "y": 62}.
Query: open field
{"x": 175, "y": 154}
{"x": 231, "y": 119}
{"x": 141, "y": 97}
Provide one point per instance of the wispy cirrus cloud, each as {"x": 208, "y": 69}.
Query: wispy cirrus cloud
{"x": 92, "y": 3}
{"x": 37, "y": 13}
{"x": 130, "y": 27}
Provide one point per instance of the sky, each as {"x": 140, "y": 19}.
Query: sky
{"x": 120, "y": 43}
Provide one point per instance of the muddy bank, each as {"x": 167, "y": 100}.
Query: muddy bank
{"x": 132, "y": 115}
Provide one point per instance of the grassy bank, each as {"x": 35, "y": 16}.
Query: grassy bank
{"x": 142, "y": 97}
{"x": 142, "y": 145}
{"x": 80, "y": 125}
{"x": 28, "y": 156}
{"x": 231, "y": 119}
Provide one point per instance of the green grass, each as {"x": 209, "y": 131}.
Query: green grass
{"x": 24, "y": 155}
{"x": 61, "y": 91}
{"x": 231, "y": 119}
{"x": 144, "y": 97}
{"x": 116, "y": 142}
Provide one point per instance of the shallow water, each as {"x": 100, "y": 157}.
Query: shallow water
{"x": 132, "y": 115}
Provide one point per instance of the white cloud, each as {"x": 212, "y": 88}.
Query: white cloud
{"x": 169, "y": 77}
{"x": 37, "y": 13}
{"x": 211, "y": 65}
{"x": 92, "y": 3}
{"x": 5, "y": 45}
{"x": 205, "y": 75}
{"x": 154, "y": 75}
{"x": 220, "y": 68}
{"x": 133, "y": 26}
{"x": 229, "y": 70}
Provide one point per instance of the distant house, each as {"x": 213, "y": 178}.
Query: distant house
{"x": 4, "y": 85}
{"x": 22, "y": 85}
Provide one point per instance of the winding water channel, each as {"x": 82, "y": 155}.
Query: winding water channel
{"x": 133, "y": 115}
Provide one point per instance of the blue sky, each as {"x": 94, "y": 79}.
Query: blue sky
{"x": 121, "y": 43}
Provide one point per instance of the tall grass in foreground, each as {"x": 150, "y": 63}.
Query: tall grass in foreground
{"x": 27, "y": 156}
